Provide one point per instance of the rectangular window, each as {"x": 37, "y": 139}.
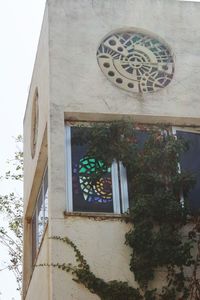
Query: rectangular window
{"x": 40, "y": 216}
{"x": 85, "y": 193}
{"x": 190, "y": 161}
{"x": 109, "y": 194}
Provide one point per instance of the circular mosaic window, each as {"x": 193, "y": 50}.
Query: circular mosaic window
{"x": 136, "y": 61}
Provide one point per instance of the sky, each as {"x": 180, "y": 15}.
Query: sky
{"x": 20, "y": 24}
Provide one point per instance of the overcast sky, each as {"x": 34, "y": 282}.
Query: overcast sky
{"x": 20, "y": 23}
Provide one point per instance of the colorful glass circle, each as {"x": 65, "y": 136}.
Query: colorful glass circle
{"x": 136, "y": 62}
{"x": 95, "y": 180}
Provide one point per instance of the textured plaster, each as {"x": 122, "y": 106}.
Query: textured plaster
{"x": 102, "y": 244}
{"x": 77, "y": 28}
{"x": 40, "y": 79}
{"x": 72, "y": 86}
{"x": 38, "y": 287}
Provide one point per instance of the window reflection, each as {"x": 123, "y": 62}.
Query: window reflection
{"x": 40, "y": 216}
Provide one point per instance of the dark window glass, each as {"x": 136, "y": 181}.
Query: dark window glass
{"x": 91, "y": 193}
{"x": 141, "y": 138}
{"x": 190, "y": 161}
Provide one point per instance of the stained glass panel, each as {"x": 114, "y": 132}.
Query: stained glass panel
{"x": 91, "y": 179}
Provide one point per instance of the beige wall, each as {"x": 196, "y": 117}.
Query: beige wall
{"x": 38, "y": 288}
{"x": 71, "y": 86}
{"x": 40, "y": 79}
{"x": 77, "y": 28}
{"x": 34, "y": 168}
{"x": 102, "y": 244}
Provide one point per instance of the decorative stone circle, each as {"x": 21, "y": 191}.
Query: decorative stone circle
{"x": 136, "y": 62}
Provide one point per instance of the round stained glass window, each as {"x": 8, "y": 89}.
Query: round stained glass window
{"x": 136, "y": 62}
{"x": 95, "y": 188}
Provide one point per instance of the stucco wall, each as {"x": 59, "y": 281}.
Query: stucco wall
{"x": 38, "y": 287}
{"x": 40, "y": 79}
{"x": 77, "y": 28}
{"x": 34, "y": 167}
{"x": 78, "y": 86}
{"x": 101, "y": 243}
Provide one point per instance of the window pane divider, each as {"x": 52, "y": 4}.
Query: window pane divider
{"x": 69, "y": 202}
{"x": 115, "y": 188}
{"x": 124, "y": 187}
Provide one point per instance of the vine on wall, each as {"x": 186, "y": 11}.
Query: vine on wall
{"x": 159, "y": 239}
{"x": 112, "y": 290}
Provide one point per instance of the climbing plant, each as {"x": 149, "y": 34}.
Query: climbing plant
{"x": 82, "y": 273}
{"x": 11, "y": 208}
{"x": 159, "y": 213}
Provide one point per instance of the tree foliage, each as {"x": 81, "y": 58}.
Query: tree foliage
{"x": 11, "y": 207}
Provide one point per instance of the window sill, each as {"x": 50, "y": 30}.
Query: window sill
{"x": 98, "y": 216}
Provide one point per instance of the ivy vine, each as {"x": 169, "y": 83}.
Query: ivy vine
{"x": 111, "y": 290}
{"x": 159, "y": 213}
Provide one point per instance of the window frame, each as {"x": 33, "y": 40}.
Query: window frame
{"x": 184, "y": 129}
{"x": 118, "y": 173}
{"x": 40, "y": 206}
{"x": 118, "y": 177}
{"x": 195, "y": 130}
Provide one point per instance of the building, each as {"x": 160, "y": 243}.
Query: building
{"x": 85, "y": 70}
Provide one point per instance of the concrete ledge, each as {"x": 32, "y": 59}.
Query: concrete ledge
{"x": 98, "y": 216}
